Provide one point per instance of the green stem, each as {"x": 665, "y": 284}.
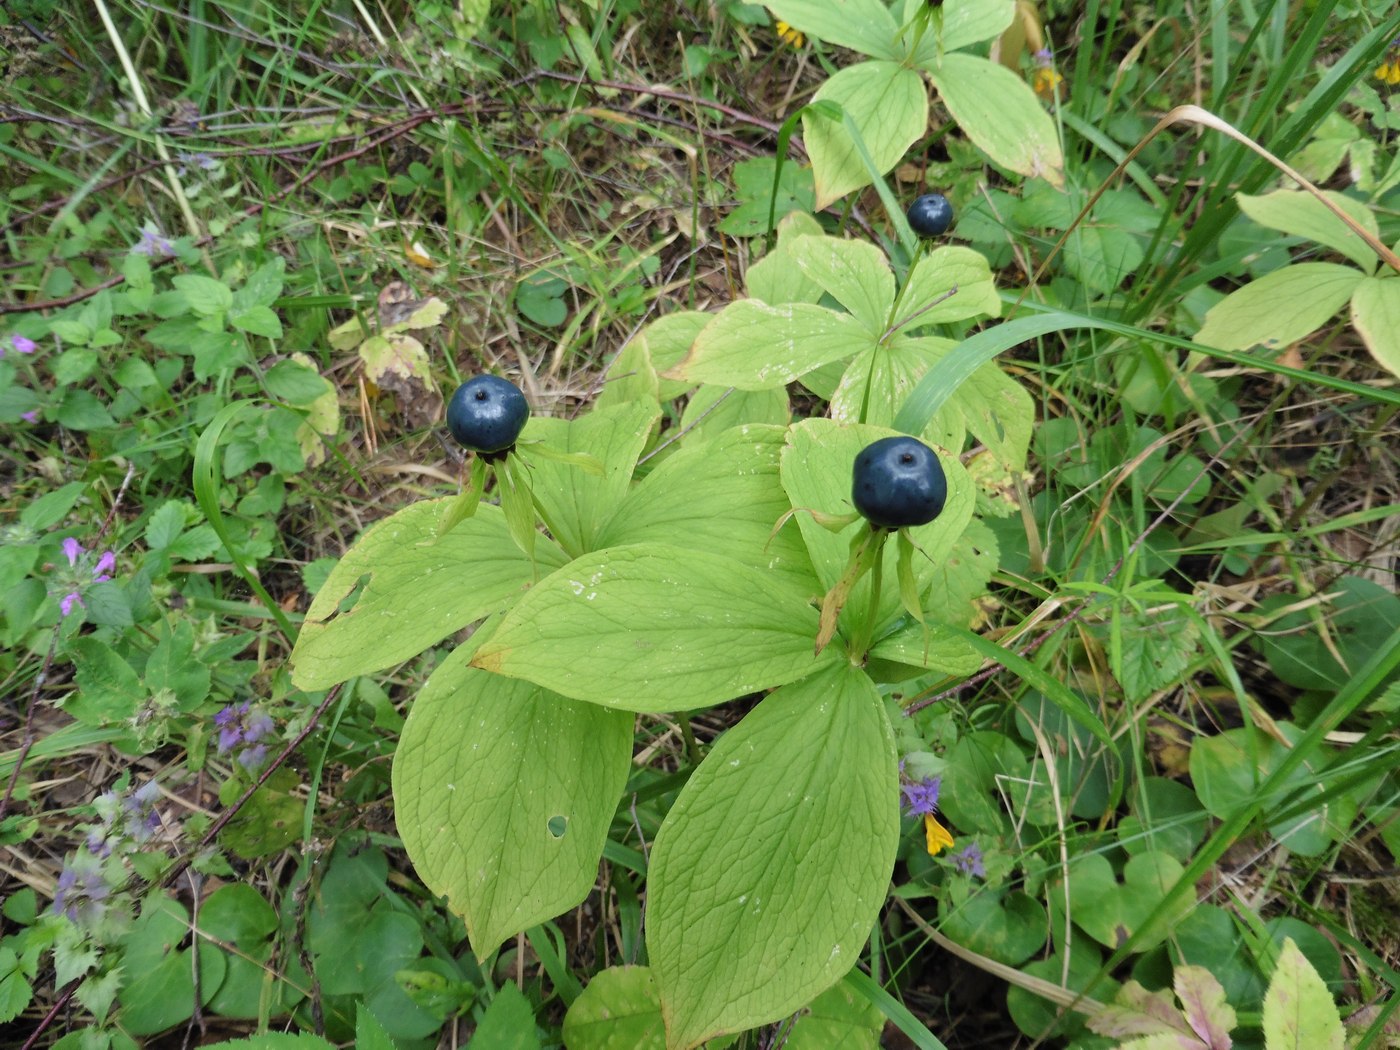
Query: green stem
{"x": 899, "y": 295}
{"x": 865, "y": 628}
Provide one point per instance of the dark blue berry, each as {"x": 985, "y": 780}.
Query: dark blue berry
{"x": 930, "y": 215}
{"x": 487, "y": 413}
{"x": 898, "y": 481}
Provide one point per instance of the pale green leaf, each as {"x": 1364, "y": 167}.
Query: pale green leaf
{"x": 574, "y": 502}
{"x": 667, "y": 340}
{"x": 862, "y": 25}
{"x": 889, "y": 105}
{"x": 932, "y": 647}
{"x": 390, "y": 360}
{"x": 999, "y": 112}
{"x": 774, "y": 279}
{"x": 713, "y": 410}
{"x": 1281, "y": 307}
{"x": 754, "y": 346}
{"x": 838, "y": 1019}
{"x": 1301, "y": 214}
{"x": 738, "y": 470}
{"x": 854, "y": 273}
{"x": 417, "y": 590}
{"x": 619, "y": 1010}
{"x": 972, "y": 21}
{"x": 485, "y": 769}
{"x": 1375, "y": 313}
{"x": 1299, "y": 1013}
{"x": 879, "y": 380}
{"x": 631, "y": 377}
{"x": 816, "y": 472}
{"x": 773, "y": 864}
{"x": 651, "y": 627}
{"x": 952, "y": 269}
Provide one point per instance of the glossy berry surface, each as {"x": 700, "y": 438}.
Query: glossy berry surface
{"x": 487, "y": 413}
{"x": 930, "y": 215}
{"x": 898, "y": 481}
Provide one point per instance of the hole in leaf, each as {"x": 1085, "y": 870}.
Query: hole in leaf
{"x": 351, "y": 599}
{"x": 557, "y": 826}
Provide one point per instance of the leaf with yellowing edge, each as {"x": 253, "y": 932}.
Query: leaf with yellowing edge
{"x": 936, "y": 835}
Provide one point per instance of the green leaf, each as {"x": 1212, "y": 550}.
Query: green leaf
{"x": 296, "y": 383}
{"x": 1375, "y": 313}
{"x": 668, "y": 339}
{"x": 484, "y": 765}
{"x": 1103, "y": 257}
{"x": 774, "y": 279}
{"x": 1299, "y": 213}
{"x": 1299, "y": 1013}
{"x": 854, "y": 273}
{"x": 108, "y": 689}
{"x": 774, "y": 862}
{"x": 260, "y": 320}
{"x": 754, "y": 346}
{"x": 619, "y": 1010}
{"x": 711, "y": 411}
{"x": 574, "y": 502}
{"x": 738, "y": 472}
{"x": 651, "y": 627}
{"x": 160, "y": 992}
{"x": 862, "y": 25}
{"x": 816, "y": 472}
{"x": 955, "y": 269}
{"x": 838, "y": 1019}
{"x": 999, "y": 112}
{"x": 968, "y": 22}
{"x": 933, "y": 648}
{"x": 1156, "y": 649}
{"x": 877, "y": 380}
{"x": 1007, "y": 927}
{"x": 1281, "y": 307}
{"x": 888, "y": 104}
{"x": 417, "y": 590}
{"x": 1111, "y": 911}
{"x": 81, "y": 410}
{"x": 206, "y": 296}
{"x": 508, "y": 1024}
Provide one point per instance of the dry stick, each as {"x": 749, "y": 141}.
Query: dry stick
{"x": 183, "y": 864}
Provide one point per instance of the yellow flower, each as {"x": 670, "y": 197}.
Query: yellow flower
{"x": 1045, "y": 81}
{"x": 936, "y": 837}
{"x": 788, "y": 35}
{"x": 1389, "y": 72}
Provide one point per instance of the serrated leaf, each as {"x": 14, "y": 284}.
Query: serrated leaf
{"x": 854, "y": 273}
{"x": 1299, "y": 1013}
{"x": 1299, "y": 213}
{"x": 775, "y": 859}
{"x": 575, "y": 503}
{"x": 166, "y": 524}
{"x": 651, "y": 627}
{"x": 754, "y": 346}
{"x": 862, "y": 25}
{"x": 1281, "y": 307}
{"x": 888, "y": 104}
{"x": 418, "y": 590}
{"x": 296, "y": 383}
{"x": 1375, "y": 313}
{"x": 508, "y": 1024}
{"x": 484, "y": 764}
{"x": 999, "y": 112}
{"x": 1156, "y": 649}
{"x": 737, "y": 470}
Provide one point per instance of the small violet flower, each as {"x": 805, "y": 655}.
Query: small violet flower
{"x": 80, "y": 573}
{"x": 968, "y": 861}
{"x": 20, "y": 344}
{"x": 243, "y": 729}
{"x": 83, "y": 889}
{"x": 921, "y": 796}
{"x": 153, "y": 242}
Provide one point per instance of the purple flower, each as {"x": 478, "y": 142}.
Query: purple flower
{"x": 72, "y": 550}
{"x": 1044, "y": 58}
{"x": 32, "y": 416}
{"x": 82, "y": 889}
{"x": 921, "y": 796}
{"x": 242, "y": 728}
{"x": 20, "y": 344}
{"x": 153, "y": 242}
{"x": 968, "y": 860}
{"x": 81, "y": 572}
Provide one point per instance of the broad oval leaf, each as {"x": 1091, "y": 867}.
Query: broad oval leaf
{"x": 968, "y": 22}
{"x": 754, "y": 346}
{"x": 619, "y": 1010}
{"x": 772, "y": 866}
{"x": 1281, "y": 307}
{"x": 653, "y": 627}
{"x": 738, "y": 470}
{"x": 952, "y": 269}
{"x": 1299, "y": 213}
{"x": 854, "y": 273}
{"x": 862, "y": 25}
{"x": 485, "y": 770}
{"x": 1375, "y": 311}
{"x": 417, "y": 590}
{"x": 889, "y": 106}
{"x": 999, "y": 112}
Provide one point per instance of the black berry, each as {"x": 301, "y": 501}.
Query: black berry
{"x": 930, "y": 215}
{"x": 898, "y": 481}
{"x": 487, "y": 413}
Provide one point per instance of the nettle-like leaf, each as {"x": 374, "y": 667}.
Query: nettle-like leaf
{"x": 1156, "y": 649}
{"x": 1299, "y": 1013}
{"x": 652, "y": 627}
{"x": 575, "y": 502}
{"x": 503, "y": 794}
{"x": 771, "y": 868}
{"x": 999, "y": 112}
{"x": 406, "y": 588}
{"x": 888, "y": 104}
{"x": 816, "y": 472}
{"x": 737, "y": 471}
{"x": 1281, "y": 307}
